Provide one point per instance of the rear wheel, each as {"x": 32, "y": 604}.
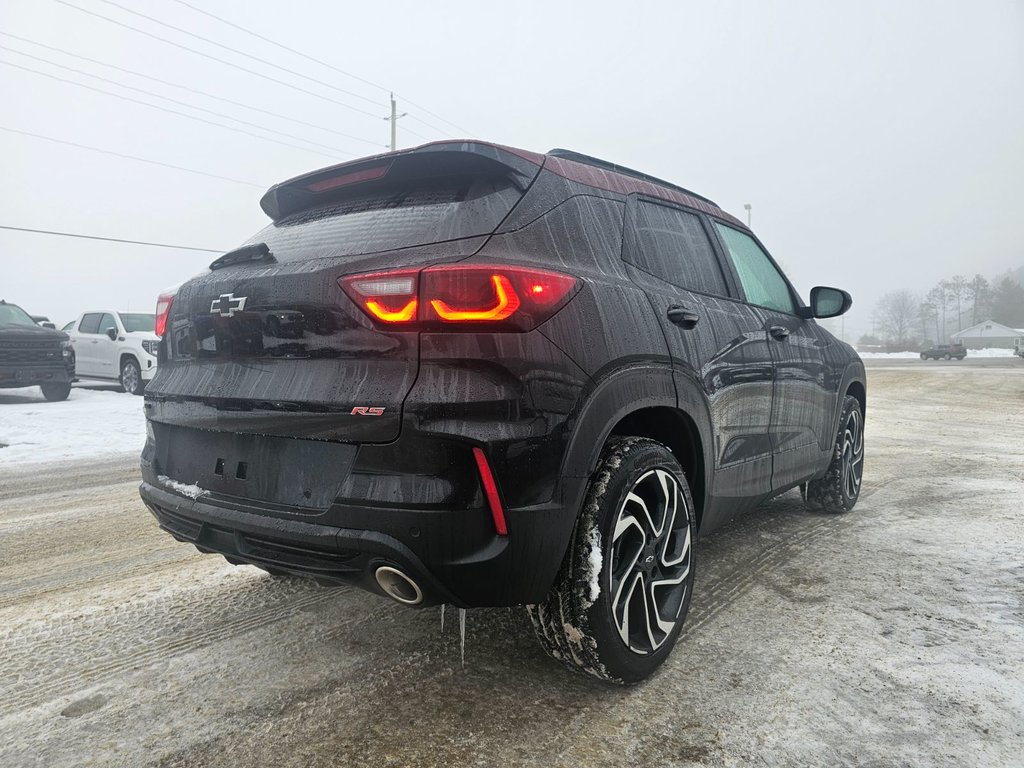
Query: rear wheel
{"x": 924, "y": 356}
{"x": 131, "y": 377}
{"x": 621, "y": 597}
{"x": 839, "y": 489}
{"x": 55, "y": 392}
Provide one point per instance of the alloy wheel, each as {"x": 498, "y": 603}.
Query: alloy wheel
{"x": 129, "y": 378}
{"x": 853, "y": 454}
{"x": 650, "y": 561}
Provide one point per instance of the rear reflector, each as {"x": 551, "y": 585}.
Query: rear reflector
{"x": 458, "y": 297}
{"x": 490, "y": 491}
{"x": 163, "y": 310}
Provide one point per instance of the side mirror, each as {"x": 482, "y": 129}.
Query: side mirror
{"x": 826, "y": 302}
{"x": 112, "y": 334}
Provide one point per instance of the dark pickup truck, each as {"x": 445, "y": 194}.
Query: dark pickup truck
{"x": 33, "y": 355}
{"x": 945, "y": 352}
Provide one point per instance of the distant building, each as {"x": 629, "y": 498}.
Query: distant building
{"x": 988, "y": 334}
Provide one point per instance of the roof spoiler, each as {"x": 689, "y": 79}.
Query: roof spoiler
{"x": 429, "y": 160}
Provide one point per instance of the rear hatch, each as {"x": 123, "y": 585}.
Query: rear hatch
{"x": 268, "y": 343}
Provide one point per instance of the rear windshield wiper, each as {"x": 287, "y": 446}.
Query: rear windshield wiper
{"x": 245, "y": 255}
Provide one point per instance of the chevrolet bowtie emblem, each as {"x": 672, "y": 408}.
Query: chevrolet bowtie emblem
{"x": 227, "y": 304}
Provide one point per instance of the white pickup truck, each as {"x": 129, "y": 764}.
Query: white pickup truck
{"x": 118, "y": 346}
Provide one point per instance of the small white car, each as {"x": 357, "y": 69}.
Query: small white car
{"x": 119, "y": 346}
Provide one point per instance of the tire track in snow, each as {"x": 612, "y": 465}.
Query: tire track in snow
{"x": 716, "y": 597}
{"x": 121, "y": 567}
{"x": 159, "y": 649}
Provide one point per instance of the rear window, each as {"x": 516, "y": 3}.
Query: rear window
{"x": 416, "y": 214}
{"x": 137, "y": 321}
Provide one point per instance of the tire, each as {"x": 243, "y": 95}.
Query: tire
{"x": 616, "y": 556}
{"x": 131, "y": 377}
{"x": 924, "y": 356}
{"x": 839, "y": 489}
{"x": 55, "y": 392}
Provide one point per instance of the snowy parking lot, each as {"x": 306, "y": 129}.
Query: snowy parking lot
{"x": 96, "y": 420}
{"x": 890, "y": 636}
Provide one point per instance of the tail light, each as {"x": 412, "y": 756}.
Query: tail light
{"x": 462, "y": 297}
{"x": 163, "y": 310}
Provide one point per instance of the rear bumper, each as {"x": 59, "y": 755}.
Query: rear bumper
{"x": 453, "y": 555}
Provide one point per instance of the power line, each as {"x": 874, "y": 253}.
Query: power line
{"x": 323, "y": 63}
{"x": 246, "y": 54}
{"x": 187, "y": 88}
{"x": 165, "y": 109}
{"x": 110, "y": 239}
{"x": 282, "y": 46}
{"x": 219, "y": 60}
{"x": 131, "y": 157}
{"x": 436, "y": 117}
{"x": 173, "y": 101}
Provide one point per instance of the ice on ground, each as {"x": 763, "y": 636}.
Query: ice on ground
{"x": 91, "y": 423}
{"x": 993, "y": 352}
{"x": 192, "y": 491}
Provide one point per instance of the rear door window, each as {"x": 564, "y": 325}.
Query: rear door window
{"x": 90, "y": 323}
{"x": 762, "y": 282}
{"x": 672, "y": 244}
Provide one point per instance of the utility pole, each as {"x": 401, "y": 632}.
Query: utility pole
{"x": 747, "y": 206}
{"x": 394, "y": 122}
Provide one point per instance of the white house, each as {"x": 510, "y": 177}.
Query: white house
{"x": 988, "y": 333}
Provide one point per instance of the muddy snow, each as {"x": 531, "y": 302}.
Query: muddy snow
{"x": 890, "y": 636}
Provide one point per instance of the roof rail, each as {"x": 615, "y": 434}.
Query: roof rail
{"x": 578, "y": 157}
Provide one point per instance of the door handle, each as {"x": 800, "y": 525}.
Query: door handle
{"x": 683, "y": 317}
{"x": 779, "y": 332}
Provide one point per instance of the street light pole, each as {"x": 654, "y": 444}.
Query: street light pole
{"x": 747, "y": 207}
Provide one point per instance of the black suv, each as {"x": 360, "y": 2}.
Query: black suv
{"x": 31, "y": 354}
{"x": 945, "y": 352}
{"x": 475, "y": 375}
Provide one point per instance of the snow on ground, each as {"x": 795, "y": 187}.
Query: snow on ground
{"x": 916, "y": 355}
{"x": 92, "y": 422}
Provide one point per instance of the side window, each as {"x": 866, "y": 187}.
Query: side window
{"x": 762, "y": 282}
{"x": 672, "y": 244}
{"x": 107, "y": 321}
{"x": 90, "y": 323}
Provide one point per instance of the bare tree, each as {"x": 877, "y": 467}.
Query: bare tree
{"x": 956, "y": 289}
{"x": 939, "y": 299}
{"x": 980, "y": 294}
{"x": 898, "y": 312}
{"x": 928, "y": 315}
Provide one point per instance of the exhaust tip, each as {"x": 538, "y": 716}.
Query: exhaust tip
{"x": 398, "y": 586}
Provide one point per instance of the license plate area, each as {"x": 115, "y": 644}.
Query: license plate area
{"x": 292, "y": 472}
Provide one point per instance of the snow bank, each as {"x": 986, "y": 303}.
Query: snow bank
{"x": 91, "y": 423}
{"x": 916, "y": 355}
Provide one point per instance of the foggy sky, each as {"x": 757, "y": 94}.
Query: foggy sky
{"x": 881, "y": 144}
